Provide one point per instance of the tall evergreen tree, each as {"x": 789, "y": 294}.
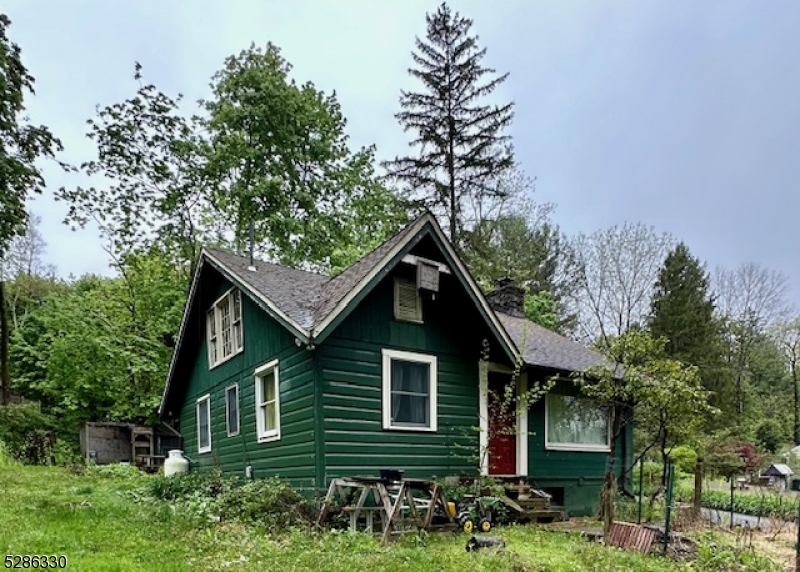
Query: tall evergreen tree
{"x": 682, "y": 311}
{"x": 462, "y": 148}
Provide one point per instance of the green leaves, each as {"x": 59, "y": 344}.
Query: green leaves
{"x": 99, "y": 348}
{"x": 20, "y": 144}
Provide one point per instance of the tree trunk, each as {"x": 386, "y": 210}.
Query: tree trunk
{"x": 609, "y": 491}
{"x": 5, "y": 378}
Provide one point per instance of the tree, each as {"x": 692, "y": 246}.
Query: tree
{"x": 615, "y": 270}
{"x": 278, "y": 160}
{"x": 462, "y": 146}
{"x": 682, "y": 311}
{"x": 786, "y": 335}
{"x": 524, "y": 246}
{"x": 750, "y": 298}
{"x": 149, "y": 153}
{"x": 100, "y": 348}
{"x": 639, "y": 381}
{"x": 21, "y": 144}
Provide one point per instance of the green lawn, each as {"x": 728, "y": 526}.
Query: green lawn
{"x": 95, "y": 521}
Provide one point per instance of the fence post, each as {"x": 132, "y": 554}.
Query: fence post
{"x": 698, "y": 487}
{"x": 641, "y": 489}
{"x": 670, "y": 481}
{"x": 797, "y": 544}
{"x": 733, "y": 485}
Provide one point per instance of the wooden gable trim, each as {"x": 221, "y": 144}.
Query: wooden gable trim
{"x": 206, "y": 258}
{"x": 187, "y": 309}
{"x": 265, "y": 303}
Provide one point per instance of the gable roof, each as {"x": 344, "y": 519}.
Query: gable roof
{"x": 541, "y": 347}
{"x": 779, "y": 470}
{"x": 310, "y": 305}
{"x": 293, "y": 292}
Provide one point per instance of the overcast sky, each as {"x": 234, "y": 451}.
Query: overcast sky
{"x": 683, "y": 115}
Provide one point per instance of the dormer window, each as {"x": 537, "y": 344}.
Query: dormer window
{"x": 407, "y": 301}
{"x": 224, "y": 328}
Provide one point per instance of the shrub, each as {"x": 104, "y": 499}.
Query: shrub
{"x": 270, "y": 503}
{"x": 770, "y": 435}
{"x": 26, "y": 433}
{"x": 684, "y": 458}
{"x": 186, "y": 485}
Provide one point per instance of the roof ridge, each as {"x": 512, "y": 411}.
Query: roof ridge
{"x": 262, "y": 261}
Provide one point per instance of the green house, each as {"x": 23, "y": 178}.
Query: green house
{"x": 393, "y": 363}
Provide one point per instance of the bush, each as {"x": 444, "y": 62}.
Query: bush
{"x": 684, "y": 458}
{"x": 770, "y": 435}
{"x": 186, "y": 485}
{"x": 270, "y": 503}
{"x": 211, "y": 497}
{"x": 26, "y": 433}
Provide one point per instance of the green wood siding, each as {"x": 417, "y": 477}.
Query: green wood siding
{"x": 350, "y": 366}
{"x": 574, "y": 476}
{"x": 290, "y": 457}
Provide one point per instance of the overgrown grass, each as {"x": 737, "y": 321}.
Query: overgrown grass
{"x": 104, "y": 519}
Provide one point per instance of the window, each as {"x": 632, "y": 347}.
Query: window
{"x": 407, "y": 302}
{"x": 576, "y": 424}
{"x": 232, "y": 409}
{"x": 268, "y": 412}
{"x": 409, "y": 391}
{"x": 224, "y": 328}
{"x": 204, "y": 424}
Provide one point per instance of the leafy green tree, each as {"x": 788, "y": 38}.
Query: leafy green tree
{"x": 770, "y": 435}
{"x": 640, "y": 381}
{"x": 278, "y": 160}
{"x": 682, "y": 311}
{"x": 150, "y": 155}
{"x": 540, "y": 308}
{"x": 21, "y": 144}
{"x": 100, "y": 350}
{"x": 786, "y": 335}
{"x": 263, "y": 151}
{"x": 462, "y": 148}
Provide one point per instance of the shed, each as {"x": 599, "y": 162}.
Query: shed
{"x": 105, "y": 443}
{"x": 779, "y": 474}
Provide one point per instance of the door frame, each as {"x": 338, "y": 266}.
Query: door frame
{"x": 520, "y": 413}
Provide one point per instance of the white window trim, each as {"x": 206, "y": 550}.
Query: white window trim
{"x": 417, "y": 319}
{"x": 218, "y": 326}
{"x": 387, "y": 357}
{"x": 572, "y": 446}
{"x": 235, "y": 388}
{"x": 207, "y": 399}
{"x": 262, "y": 434}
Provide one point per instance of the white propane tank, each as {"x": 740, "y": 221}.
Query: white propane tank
{"x": 176, "y": 463}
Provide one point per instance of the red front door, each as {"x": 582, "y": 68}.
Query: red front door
{"x": 502, "y": 425}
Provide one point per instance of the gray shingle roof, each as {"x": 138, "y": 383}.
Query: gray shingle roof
{"x": 305, "y": 297}
{"x": 338, "y": 287}
{"x": 294, "y": 292}
{"x": 543, "y": 348}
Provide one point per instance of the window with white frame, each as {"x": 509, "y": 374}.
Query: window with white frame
{"x": 232, "y": 409}
{"x": 224, "y": 328}
{"x": 268, "y": 410}
{"x": 204, "y": 424}
{"x": 576, "y": 424}
{"x": 409, "y": 391}
{"x": 407, "y": 301}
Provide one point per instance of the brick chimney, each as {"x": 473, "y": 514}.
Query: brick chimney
{"x": 507, "y": 298}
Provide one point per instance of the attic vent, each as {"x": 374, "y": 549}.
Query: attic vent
{"x": 407, "y": 303}
{"x": 427, "y": 275}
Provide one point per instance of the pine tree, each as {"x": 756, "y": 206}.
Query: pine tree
{"x": 682, "y": 311}
{"x": 462, "y": 147}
